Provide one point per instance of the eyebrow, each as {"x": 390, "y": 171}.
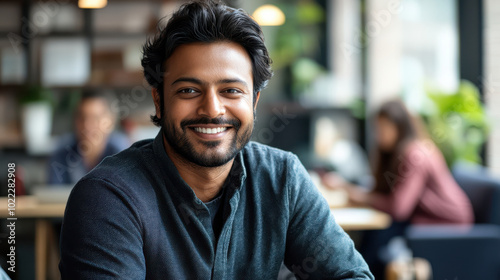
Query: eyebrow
{"x": 230, "y": 81}
{"x": 200, "y": 82}
{"x": 190, "y": 80}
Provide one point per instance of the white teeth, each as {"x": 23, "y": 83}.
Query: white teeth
{"x": 210, "y": 130}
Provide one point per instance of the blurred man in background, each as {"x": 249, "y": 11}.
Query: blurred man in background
{"x": 92, "y": 141}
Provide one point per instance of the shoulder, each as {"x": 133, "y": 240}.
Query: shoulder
{"x": 255, "y": 148}
{"x": 422, "y": 154}
{"x": 264, "y": 155}
{"x": 278, "y": 176}
{"x": 125, "y": 176}
{"x": 273, "y": 166}
{"x": 126, "y": 166}
{"x": 420, "y": 150}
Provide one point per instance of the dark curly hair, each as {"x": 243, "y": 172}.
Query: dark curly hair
{"x": 205, "y": 21}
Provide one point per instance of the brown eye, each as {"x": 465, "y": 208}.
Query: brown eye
{"x": 232, "y": 91}
{"x": 187, "y": 90}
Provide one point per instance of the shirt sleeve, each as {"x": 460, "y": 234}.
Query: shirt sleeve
{"x": 317, "y": 247}
{"x": 407, "y": 187}
{"x": 101, "y": 236}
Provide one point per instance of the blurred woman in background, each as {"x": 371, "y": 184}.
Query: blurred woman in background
{"x": 412, "y": 182}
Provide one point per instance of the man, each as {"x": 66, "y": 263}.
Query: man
{"x": 200, "y": 201}
{"x": 92, "y": 141}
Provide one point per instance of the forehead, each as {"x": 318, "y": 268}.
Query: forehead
{"x": 93, "y": 104}
{"x": 209, "y": 61}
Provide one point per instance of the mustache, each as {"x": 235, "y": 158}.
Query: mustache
{"x": 204, "y": 120}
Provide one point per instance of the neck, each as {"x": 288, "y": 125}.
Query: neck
{"x": 206, "y": 182}
{"x": 92, "y": 155}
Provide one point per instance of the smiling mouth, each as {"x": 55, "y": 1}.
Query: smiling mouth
{"x": 209, "y": 130}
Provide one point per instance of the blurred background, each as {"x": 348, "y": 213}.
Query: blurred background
{"x": 335, "y": 62}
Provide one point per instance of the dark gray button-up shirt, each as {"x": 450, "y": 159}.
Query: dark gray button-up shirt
{"x": 134, "y": 217}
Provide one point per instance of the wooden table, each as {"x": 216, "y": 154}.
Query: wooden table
{"x": 355, "y": 218}
{"x": 30, "y": 207}
{"x": 352, "y": 218}
{"x": 349, "y": 218}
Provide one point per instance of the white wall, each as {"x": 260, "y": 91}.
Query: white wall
{"x": 491, "y": 79}
{"x": 385, "y": 46}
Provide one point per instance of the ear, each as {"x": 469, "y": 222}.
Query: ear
{"x": 256, "y": 100}
{"x": 156, "y": 99}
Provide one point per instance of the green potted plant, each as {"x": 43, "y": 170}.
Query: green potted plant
{"x": 36, "y": 117}
{"x": 458, "y": 123}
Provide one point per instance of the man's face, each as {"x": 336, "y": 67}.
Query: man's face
{"x": 94, "y": 122}
{"x": 208, "y": 102}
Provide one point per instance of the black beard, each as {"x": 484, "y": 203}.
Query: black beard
{"x": 181, "y": 145}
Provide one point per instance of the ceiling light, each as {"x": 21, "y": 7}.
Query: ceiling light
{"x": 92, "y": 4}
{"x": 269, "y": 15}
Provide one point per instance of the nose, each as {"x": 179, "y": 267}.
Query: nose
{"x": 211, "y": 105}
{"x": 90, "y": 123}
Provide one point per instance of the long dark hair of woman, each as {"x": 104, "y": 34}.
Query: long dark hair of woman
{"x": 386, "y": 162}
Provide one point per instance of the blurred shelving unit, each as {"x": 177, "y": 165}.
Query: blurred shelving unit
{"x": 13, "y": 72}
{"x": 64, "y": 48}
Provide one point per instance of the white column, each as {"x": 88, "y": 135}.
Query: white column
{"x": 491, "y": 79}
{"x": 385, "y": 46}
